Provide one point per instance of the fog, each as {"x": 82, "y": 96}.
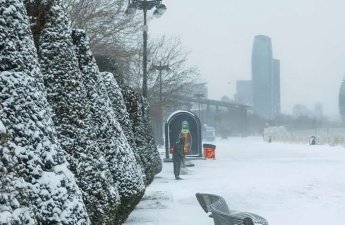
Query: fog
{"x": 307, "y": 36}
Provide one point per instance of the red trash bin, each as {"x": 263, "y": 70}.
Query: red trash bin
{"x": 209, "y": 151}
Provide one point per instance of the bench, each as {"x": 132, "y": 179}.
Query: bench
{"x": 218, "y": 209}
{"x": 220, "y": 217}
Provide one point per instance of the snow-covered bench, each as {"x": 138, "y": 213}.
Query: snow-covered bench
{"x": 218, "y": 209}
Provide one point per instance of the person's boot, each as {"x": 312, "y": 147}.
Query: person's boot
{"x": 178, "y": 178}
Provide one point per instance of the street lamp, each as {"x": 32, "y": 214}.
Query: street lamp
{"x": 145, "y": 5}
{"x": 160, "y": 68}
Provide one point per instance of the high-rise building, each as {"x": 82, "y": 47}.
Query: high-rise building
{"x": 262, "y": 77}
{"x": 342, "y": 100}
{"x": 276, "y": 87}
{"x": 244, "y": 92}
{"x": 265, "y": 79}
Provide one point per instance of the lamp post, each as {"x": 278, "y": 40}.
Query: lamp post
{"x": 145, "y": 5}
{"x": 160, "y": 68}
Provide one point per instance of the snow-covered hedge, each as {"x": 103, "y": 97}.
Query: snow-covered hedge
{"x": 68, "y": 147}
{"x": 137, "y": 108}
{"x": 74, "y": 116}
{"x": 111, "y": 139}
{"x": 36, "y": 185}
{"x": 132, "y": 183}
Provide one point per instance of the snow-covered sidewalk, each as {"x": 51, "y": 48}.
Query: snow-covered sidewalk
{"x": 285, "y": 183}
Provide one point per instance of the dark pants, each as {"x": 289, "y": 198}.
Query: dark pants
{"x": 177, "y": 165}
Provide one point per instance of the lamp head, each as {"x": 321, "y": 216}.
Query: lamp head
{"x": 160, "y": 10}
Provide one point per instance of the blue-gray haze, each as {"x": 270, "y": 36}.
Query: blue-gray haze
{"x": 307, "y": 36}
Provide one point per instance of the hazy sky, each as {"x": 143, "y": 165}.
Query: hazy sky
{"x": 308, "y": 36}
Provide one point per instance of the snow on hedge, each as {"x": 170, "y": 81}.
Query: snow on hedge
{"x": 103, "y": 115}
{"x": 155, "y": 157}
{"x": 2, "y": 128}
{"x": 16, "y": 24}
{"x": 92, "y": 131}
{"x": 110, "y": 138}
{"x": 128, "y": 110}
{"x": 125, "y": 166}
{"x": 120, "y": 112}
{"x": 118, "y": 104}
{"x": 36, "y": 185}
{"x": 76, "y": 117}
{"x": 146, "y": 146}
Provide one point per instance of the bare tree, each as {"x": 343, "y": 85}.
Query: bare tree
{"x": 110, "y": 30}
{"x": 164, "y": 51}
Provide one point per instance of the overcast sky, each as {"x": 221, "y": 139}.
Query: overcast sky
{"x": 308, "y": 36}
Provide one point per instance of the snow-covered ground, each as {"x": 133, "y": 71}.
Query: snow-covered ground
{"x": 288, "y": 184}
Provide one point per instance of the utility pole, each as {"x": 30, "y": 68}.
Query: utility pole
{"x": 160, "y": 68}
{"x": 145, "y": 29}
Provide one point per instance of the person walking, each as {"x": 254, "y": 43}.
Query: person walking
{"x": 177, "y": 157}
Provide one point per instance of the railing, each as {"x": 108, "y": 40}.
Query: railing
{"x": 322, "y": 136}
{"x": 319, "y": 140}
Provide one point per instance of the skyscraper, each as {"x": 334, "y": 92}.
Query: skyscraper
{"x": 262, "y": 77}
{"x": 265, "y": 79}
{"x": 342, "y": 100}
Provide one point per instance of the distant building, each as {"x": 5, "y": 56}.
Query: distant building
{"x": 265, "y": 79}
{"x": 262, "y": 76}
{"x": 342, "y": 100}
{"x": 244, "y": 92}
{"x": 318, "y": 110}
{"x": 301, "y": 111}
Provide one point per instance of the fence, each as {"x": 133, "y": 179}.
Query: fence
{"x": 326, "y": 136}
